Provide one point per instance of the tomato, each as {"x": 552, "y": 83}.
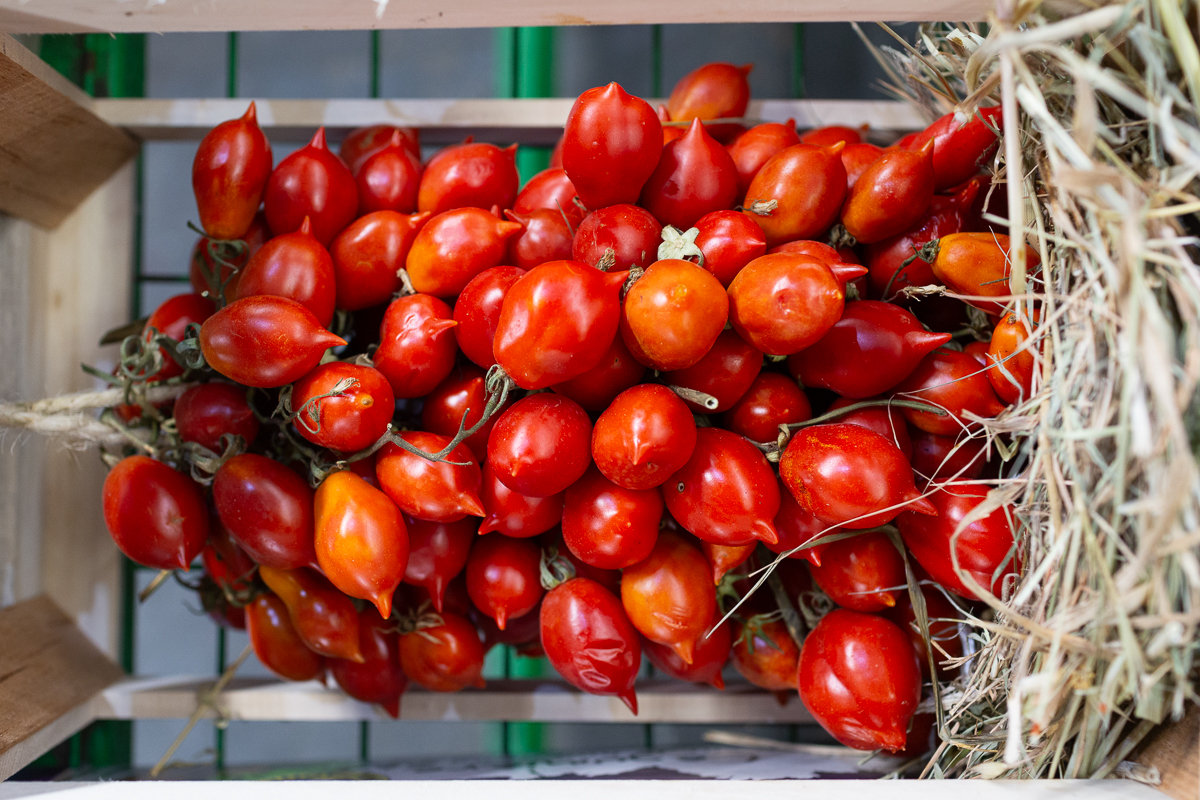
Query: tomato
{"x": 550, "y": 189}
{"x": 754, "y": 148}
{"x": 629, "y": 232}
{"x": 349, "y": 421}
{"x": 695, "y": 176}
{"x": 276, "y": 642}
{"x": 864, "y": 573}
{"x": 729, "y": 241}
{"x": 856, "y": 158}
{"x": 708, "y": 658}
{"x": 264, "y": 341}
{"x": 172, "y": 319}
{"x": 312, "y": 182}
{"x": 504, "y": 577}
{"x": 783, "y": 303}
{"x": 361, "y": 540}
{"x": 557, "y": 322}
{"x": 547, "y": 236}
{"x": 362, "y": 143}
{"x": 953, "y": 381}
{"x": 228, "y": 274}
{"x": 959, "y": 144}
{"x": 454, "y": 247}
{"x": 832, "y": 134}
{"x": 983, "y": 549}
{"x": 669, "y": 596}
{"x": 940, "y": 458}
{"x": 225, "y": 562}
{"x": 850, "y": 476}
{"x": 155, "y": 515}
{"x": 524, "y": 633}
{"x": 473, "y": 175}
{"x": 859, "y": 677}
{"x": 589, "y": 640}
{"x": 416, "y": 348}
{"x": 477, "y": 312}
{"x": 976, "y": 265}
{"x": 541, "y": 445}
{"x": 765, "y": 654}
{"x": 324, "y": 618}
{"x": 437, "y": 552}
{"x": 772, "y": 400}
{"x": 890, "y": 196}
{"x": 388, "y": 179}
{"x": 462, "y": 394}
{"x": 514, "y": 514}
{"x": 887, "y": 421}
{"x": 943, "y": 630}
{"x": 726, "y": 372}
{"x": 595, "y": 389}
{"x": 378, "y": 679}
{"x": 229, "y": 175}
{"x": 267, "y": 509}
{"x": 796, "y": 526}
{"x": 296, "y": 266}
{"x": 1010, "y": 368}
{"x": 712, "y": 91}
{"x": 445, "y": 657}
{"x": 978, "y": 351}
{"x": 367, "y": 255}
{"x": 724, "y": 558}
{"x": 673, "y": 314}
{"x": 808, "y": 183}
{"x": 611, "y": 144}
{"x": 670, "y": 132}
{"x": 207, "y": 411}
{"x": 438, "y": 492}
{"x": 608, "y": 526}
{"x": 726, "y": 493}
{"x": 645, "y": 435}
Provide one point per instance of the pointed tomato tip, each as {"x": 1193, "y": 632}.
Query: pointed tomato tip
{"x": 747, "y": 68}
{"x": 629, "y": 698}
{"x": 488, "y": 525}
{"x": 506, "y": 230}
{"x": 392, "y": 707}
{"x": 515, "y": 217}
{"x": 663, "y": 114}
{"x": 318, "y": 139}
{"x": 397, "y": 139}
{"x": 836, "y": 148}
{"x": 894, "y": 740}
{"x": 501, "y": 620}
{"x": 615, "y": 280}
{"x": 717, "y": 575}
{"x": 438, "y": 596}
{"x": 926, "y": 150}
{"x": 251, "y": 114}
{"x": 511, "y": 151}
{"x": 887, "y": 599}
{"x": 921, "y": 505}
{"x": 764, "y": 530}
{"x": 472, "y": 505}
{"x": 718, "y": 682}
{"x": 306, "y": 226}
{"x": 384, "y": 603}
{"x": 480, "y": 683}
{"x": 357, "y": 657}
{"x": 812, "y": 558}
{"x": 685, "y": 650}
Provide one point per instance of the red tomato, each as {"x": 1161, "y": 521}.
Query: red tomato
{"x": 725, "y": 558}
{"x": 378, "y": 679}
{"x": 729, "y": 241}
{"x": 547, "y": 236}
{"x": 832, "y": 134}
{"x": 367, "y": 255}
{"x": 524, "y": 633}
{"x": 608, "y": 526}
{"x": 669, "y": 596}
{"x": 264, "y": 341}
{"x": 362, "y": 143}
{"x": 978, "y": 351}
{"x": 312, "y": 182}
{"x": 726, "y": 372}
{"x": 267, "y": 509}
{"x": 446, "y": 657}
{"x": 960, "y": 144}
{"x": 784, "y": 303}
{"x": 645, "y": 435}
{"x": 953, "y": 381}
{"x": 708, "y": 658}
{"x": 461, "y": 395}
{"x": 1010, "y": 368}
{"x": 673, "y": 315}
{"x": 595, "y": 389}
{"x": 514, "y": 514}
{"x": 610, "y": 579}
{"x": 229, "y": 274}
{"x": 550, "y": 189}
{"x": 890, "y": 196}
{"x": 712, "y": 91}
{"x": 611, "y": 144}
{"x": 808, "y": 183}
{"x": 437, "y": 552}
{"x": 940, "y": 458}
{"x": 864, "y": 573}
{"x": 772, "y": 400}
{"x": 754, "y": 148}
{"x": 695, "y": 176}
{"x": 943, "y": 630}
{"x": 856, "y": 158}
{"x": 276, "y": 642}
{"x": 541, "y": 445}
{"x": 888, "y": 422}
{"x": 389, "y": 178}
{"x": 977, "y": 265}
{"x": 324, "y": 618}
{"x": 477, "y": 312}
{"x": 438, "y": 492}
{"x": 207, "y": 411}
{"x": 155, "y": 515}
{"x": 416, "y": 349}
{"x": 859, "y": 677}
{"x": 225, "y": 562}
{"x": 504, "y": 577}
{"x": 764, "y": 654}
{"x": 229, "y": 175}
{"x": 295, "y": 266}
{"x": 454, "y": 247}
{"x": 349, "y": 421}
{"x": 630, "y": 233}
{"x": 172, "y": 319}
{"x": 797, "y": 526}
{"x": 670, "y": 132}
{"x": 473, "y": 175}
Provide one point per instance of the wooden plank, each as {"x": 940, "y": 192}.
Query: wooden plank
{"x": 48, "y": 669}
{"x": 1174, "y": 750}
{"x": 528, "y": 121}
{"x": 502, "y": 700}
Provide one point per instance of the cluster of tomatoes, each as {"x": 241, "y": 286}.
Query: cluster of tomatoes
{"x": 600, "y": 372}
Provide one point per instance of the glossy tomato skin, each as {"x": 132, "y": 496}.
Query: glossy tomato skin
{"x": 207, "y": 411}
{"x": 514, "y": 514}
{"x": 984, "y": 548}
{"x": 669, "y": 596}
{"x": 367, "y": 254}
{"x": 708, "y": 658}
{"x": 864, "y": 573}
{"x": 713, "y": 91}
{"x": 477, "y": 312}
{"x": 437, "y": 553}
{"x": 361, "y": 540}
{"x": 388, "y": 180}
{"x": 673, "y": 314}
{"x": 782, "y": 303}
{"x": 347, "y": 422}
{"x": 808, "y": 182}
{"x": 547, "y": 236}
{"x": 504, "y": 577}
{"x": 977, "y": 264}
{"x": 550, "y": 189}
{"x": 611, "y": 145}
{"x": 831, "y": 135}
{"x": 772, "y": 400}
{"x": 155, "y": 515}
{"x": 947, "y": 457}
{"x": 171, "y": 319}
{"x": 477, "y": 175}
{"x": 726, "y": 493}
{"x": 416, "y": 347}
{"x": 438, "y": 492}
{"x": 296, "y": 266}
{"x": 541, "y": 445}
{"x": 444, "y": 658}
{"x": 890, "y": 196}
{"x": 645, "y": 435}
{"x": 267, "y": 509}
{"x": 454, "y": 247}
{"x": 959, "y": 145}
{"x": 729, "y": 240}
{"x": 362, "y": 143}
{"x": 953, "y": 381}
{"x": 695, "y": 176}
{"x": 859, "y": 677}
{"x": 754, "y": 148}
{"x": 378, "y": 679}
{"x": 796, "y": 526}
{"x": 595, "y": 389}
{"x": 590, "y": 641}
{"x": 276, "y": 642}
{"x": 726, "y": 372}
{"x": 1011, "y": 368}
{"x": 324, "y": 618}
{"x": 765, "y": 655}
{"x": 724, "y": 558}
{"x": 856, "y": 158}
{"x": 312, "y": 182}
{"x": 264, "y": 341}
{"x": 462, "y": 395}
{"x": 888, "y": 422}
{"x": 630, "y": 232}
{"x": 557, "y": 322}
{"x": 849, "y": 475}
{"x": 608, "y": 526}
{"x": 229, "y": 175}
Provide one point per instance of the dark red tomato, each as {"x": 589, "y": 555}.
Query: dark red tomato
{"x": 416, "y": 348}
{"x": 589, "y": 640}
{"x": 446, "y": 657}
{"x": 953, "y": 381}
{"x": 367, "y": 255}
{"x": 276, "y": 642}
{"x": 849, "y": 475}
{"x": 206, "y": 412}
{"x": 977, "y": 265}
{"x": 378, "y": 679}
{"x": 255, "y": 237}
{"x": 978, "y": 351}
{"x": 438, "y": 492}
{"x": 669, "y": 596}
{"x": 547, "y": 236}
{"x": 808, "y": 183}
{"x": 437, "y": 552}
{"x": 599, "y": 386}
{"x": 695, "y": 176}
{"x": 454, "y": 247}
{"x": 514, "y": 514}
{"x": 959, "y": 145}
{"x": 943, "y": 630}
{"x": 755, "y": 147}
{"x": 388, "y": 180}
{"x": 726, "y": 372}
{"x": 229, "y": 175}
{"x": 726, "y": 493}
{"x": 869, "y": 350}
{"x": 550, "y": 189}
{"x": 361, "y": 540}
{"x": 886, "y": 421}
{"x": 628, "y": 232}
{"x": 864, "y": 573}
{"x": 708, "y": 658}
{"x": 712, "y": 91}
{"x": 472, "y": 175}
{"x": 225, "y": 562}
{"x": 610, "y": 579}
{"x": 362, "y": 143}
{"x": 764, "y": 654}
{"x": 264, "y": 341}
{"x": 504, "y": 577}
{"x": 644, "y": 436}
{"x": 296, "y": 266}
{"x": 523, "y": 633}
{"x": 156, "y": 515}
{"x": 312, "y": 182}
{"x": 673, "y": 314}
{"x": 324, "y": 618}
{"x": 724, "y": 558}
{"x": 461, "y": 396}
{"x": 856, "y": 158}
{"x": 345, "y": 407}
{"x": 608, "y": 526}
{"x": 859, "y": 677}
{"x": 557, "y": 322}
{"x": 772, "y": 400}
{"x": 541, "y": 445}
{"x": 171, "y": 319}
{"x": 477, "y": 312}
{"x": 729, "y": 241}
{"x": 783, "y": 303}
{"x": 796, "y": 526}
{"x": 890, "y": 196}
{"x": 267, "y": 509}
{"x": 941, "y": 458}
{"x": 455, "y": 599}
{"x": 831, "y": 135}
{"x": 611, "y": 144}
{"x": 1011, "y": 368}
{"x": 983, "y": 549}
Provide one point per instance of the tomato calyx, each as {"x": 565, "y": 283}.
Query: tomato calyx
{"x": 555, "y": 568}
{"x": 309, "y": 413}
{"x": 839, "y": 237}
{"x": 752, "y": 629}
{"x": 225, "y": 257}
{"x": 680, "y": 244}
{"x": 762, "y": 208}
{"x": 418, "y": 620}
{"x": 927, "y": 252}
{"x": 406, "y": 284}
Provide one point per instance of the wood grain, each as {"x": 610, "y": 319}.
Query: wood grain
{"x": 1174, "y": 749}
